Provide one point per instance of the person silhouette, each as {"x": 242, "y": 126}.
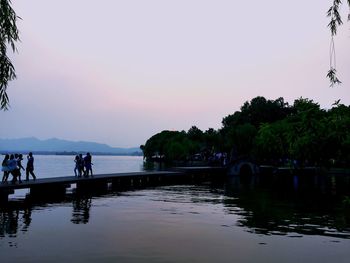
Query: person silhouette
{"x": 5, "y": 168}
{"x": 20, "y": 166}
{"x": 81, "y": 165}
{"x": 88, "y": 164}
{"x": 30, "y": 166}
{"x": 77, "y": 170}
{"x": 12, "y": 165}
{"x": 17, "y": 171}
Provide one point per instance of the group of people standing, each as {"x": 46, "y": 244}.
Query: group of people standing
{"x": 12, "y": 164}
{"x": 83, "y": 165}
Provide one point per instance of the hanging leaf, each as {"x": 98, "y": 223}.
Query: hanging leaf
{"x": 8, "y": 37}
{"x": 332, "y": 77}
{"x": 333, "y": 13}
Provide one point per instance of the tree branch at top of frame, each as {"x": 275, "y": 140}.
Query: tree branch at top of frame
{"x": 335, "y": 21}
{"x": 8, "y": 37}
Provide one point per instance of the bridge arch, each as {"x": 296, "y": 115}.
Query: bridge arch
{"x": 243, "y": 168}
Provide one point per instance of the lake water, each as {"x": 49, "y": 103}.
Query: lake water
{"x": 230, "y": 221}
{"x": 61, "y": 165}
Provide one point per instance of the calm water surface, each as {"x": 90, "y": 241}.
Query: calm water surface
{"x": 227, "y": 222}
{"x": 61, "y": 165}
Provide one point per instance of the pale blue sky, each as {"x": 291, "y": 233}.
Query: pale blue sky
{"x": 118, "y": 72}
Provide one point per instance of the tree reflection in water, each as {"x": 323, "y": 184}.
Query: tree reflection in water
{"x": 291, "y": 207}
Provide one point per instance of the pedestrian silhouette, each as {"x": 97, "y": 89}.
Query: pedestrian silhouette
{"x": 30, "y": 166}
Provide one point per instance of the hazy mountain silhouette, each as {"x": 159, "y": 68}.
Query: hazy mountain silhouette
{"x": 58, "y": 146}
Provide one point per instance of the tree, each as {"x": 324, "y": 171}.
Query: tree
{"x": 259, "y": 110}
{"x": 336, "y": 20}
{"x": 195, "y": 134}
{"x": 337, "y": 141}
{"x": 8, "y": 37}
{"x": 168, "y": 146}
{"x": 241, "y": 138}
{"x": 270, "y": 142}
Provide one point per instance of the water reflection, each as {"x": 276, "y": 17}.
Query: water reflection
{"x": 81, "y": 210}
{"x": 294, "y": 207}
{"x": 16, "y": 216}
{"x": 12, "y": 221}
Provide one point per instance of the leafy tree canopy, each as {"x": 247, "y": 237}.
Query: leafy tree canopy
{"x": 268, "y": 131}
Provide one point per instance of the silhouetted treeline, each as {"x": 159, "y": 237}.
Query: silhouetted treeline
{"x": 269, "y": 131}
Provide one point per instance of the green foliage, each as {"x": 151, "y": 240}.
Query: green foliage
{"x": 333, "y": 14}
{"x": 212, "y": 141}
{"x": 258, "y": 111}
{"x": 241, "y": 138}
{"x": 195, "y": 134}
{"x": 8, "y": 36}
{"x": 332, "y": 75}
{"x": 308, "y": 134}
{"x": 168, "y": 146}
{"x": 180, "y": 146}
{"x": 268, "y": 131}
{"x": 271, "y": 140}
{"x": 304, "y": 127}
{"x": 338, "y": 134}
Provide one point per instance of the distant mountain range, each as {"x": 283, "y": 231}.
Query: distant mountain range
{"x": 57, "y": 146}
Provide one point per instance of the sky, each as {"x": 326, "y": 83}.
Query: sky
{"x": 118, "y": 72}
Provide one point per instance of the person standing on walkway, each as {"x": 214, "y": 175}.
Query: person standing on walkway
{"x": 5, "y": 168}
{"x": 16, "y": 172}
{"x": 81, "y": 165}
{"x": 77, "y": 166}
{"x": 20, "y": 167}
{"x": 88, "y": 164}
{"x": 30, "y": 166}
{"x": 12, "y": 165}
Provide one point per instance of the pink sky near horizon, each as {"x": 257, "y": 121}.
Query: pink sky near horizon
{"x": 118, "y": 72}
